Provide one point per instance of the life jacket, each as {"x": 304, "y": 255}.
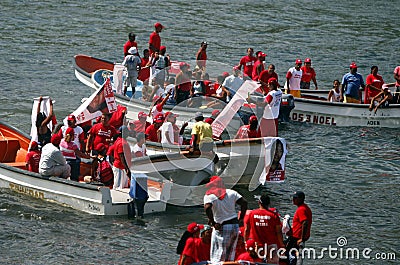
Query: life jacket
{"x": 105, "y": 173}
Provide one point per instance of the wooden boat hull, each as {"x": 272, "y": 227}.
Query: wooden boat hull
{"x": 93, "y": 199}
{"x": 344, "y": 114}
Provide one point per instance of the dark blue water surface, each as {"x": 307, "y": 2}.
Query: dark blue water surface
{"x": 350, "y": 175}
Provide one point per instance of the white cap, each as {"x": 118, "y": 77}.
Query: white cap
{"x": 384, "y": 86}
{"x": 132, "y": 50}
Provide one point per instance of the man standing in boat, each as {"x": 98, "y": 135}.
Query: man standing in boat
{"x": 293, "y": 79}
{"x": 130, "y": 43}
{"x": 248, "y": 63}
{"x": 133, "y": 64}
{"x": 308, "y": 75}
{"x": 351, "y": 82}
{"x": 201, "y": 57}
{"x": 155, "y": 39}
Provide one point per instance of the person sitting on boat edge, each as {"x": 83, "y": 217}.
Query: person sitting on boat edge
{"x": 382, "y": 99}
{"x": 351, "y": 82}
{"x": 152, "y": 131}
{"x": 122, "y": 160}
{"x": 52, "y": 161}
{"x": 72, "y": 154}
{"x": 158, "y": 106}
{"x": 139, "y": 149}
{"x": 250, "y": 130}
{"x": 374, "y": 82}
{"x": 33, "y": 157}
{"x": 132, "y": 62}
{"x": 167, "y": 130}
{"x": 334, "y": 93}
{"x": 201, "y": 135}
{"x": 104, "y": 172}
{"x": 308, "y": 75}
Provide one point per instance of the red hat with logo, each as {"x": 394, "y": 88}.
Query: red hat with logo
{"x": 71, "y": 117}
{"x": 298, "y": 61}
{"x": 194, "y": 227}
{"x": 253, "y": 118}
{"x": 70, "y": 131}
{"x": 307, "y": 60}
{"x": 261, "y": 54}
{"x": 158, "y": 118}
{"x": 353, "y": 65}
{"x": 158, "y": 25}
{"x": 142, "y": 114}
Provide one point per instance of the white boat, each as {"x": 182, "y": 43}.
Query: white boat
{"x": 93, "y": 199}
{"x": 317, "y": 111}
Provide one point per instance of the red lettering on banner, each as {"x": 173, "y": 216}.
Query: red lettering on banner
{"x": 80, "y": 117}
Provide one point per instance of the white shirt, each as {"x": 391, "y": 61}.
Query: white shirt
{"x": 51, "y": 156}
{"x": 233, "y": 82}
{"x": 137, "y": 148}
{"x": 223, "y": 210}
{"x": 294, "y": 80}
{"x": 77, "y": 131}
{"x": 271, "y": 110}
{"x": 167, "y": 127}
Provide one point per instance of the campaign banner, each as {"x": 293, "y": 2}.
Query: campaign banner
{"x": 275, "y": 156}
{"x": 226, "y": 115}
{"x": 101, "y": 101}
{"x": 118, "y": 74}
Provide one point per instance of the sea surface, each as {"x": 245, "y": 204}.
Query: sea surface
{"x": 350, "y": 175}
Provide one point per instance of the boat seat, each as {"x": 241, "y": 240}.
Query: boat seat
{"x": 20, "y": 165}
{"x": 8, "y": 149}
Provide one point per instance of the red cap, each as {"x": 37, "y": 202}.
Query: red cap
{"x": 158, "y": 118}
{"x": 163, "y": 48}
{"x": 353, "y": 65}
{"x": 215, "y": 113}
{"x": 34, "y": 145}
{"x": 71, "y": 117}
{"x": 252, "y": 118}
{"x": 56, "y": 139}
{"x": 158, "y": 24}
{"x": 100, "y": 147}
{"x": 307, "y": 60}
{"x": 194, "y": 227}
{"x": 272, "y": 80}
{"x": 251, "y": 244}
{"x": 261, "y": 54}
{"x": 225, "y": 74}
{"x": 298, "y": 61}
{"x": 142, "y": 114}
{"x": 168, "y": 113}
{"x": 70, "y": 131}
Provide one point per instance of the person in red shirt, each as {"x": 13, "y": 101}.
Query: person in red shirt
{"x": 122, "y": 160}
{"x": 197, "y": 249}
{"x": 104, "y": 173}
{"x": 101, "y": 133}
{"x": 141, "y": 124}
{"x": 117, "y": 117}
{"x": 152, "y": 130}
{"x": 258, "y": 65}
{"x": 201, "y": 57}
{"x": 374, "y": 84}
{"x": 250, "y": 130}
{"x": 308, "y": 75}
{"x": 33, "y": 158}
{"x": 301, "y": 226}
{"x": 264, "y": 77}
{"x": 251, "y": 252}
{"x": 130, "y": 43}
{"x": 144, "y": 72}
{"x": 248, "y": 63}
{"x": 155, "y": 39}
{"x": 264, "y": 227}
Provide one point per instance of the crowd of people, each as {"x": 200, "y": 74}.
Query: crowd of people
{"x": 258, "y": 235}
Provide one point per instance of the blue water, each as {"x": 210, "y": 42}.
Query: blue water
{"x": 350, "y": 175}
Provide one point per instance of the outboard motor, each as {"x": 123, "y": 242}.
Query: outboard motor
{"x": 287, "y": 104}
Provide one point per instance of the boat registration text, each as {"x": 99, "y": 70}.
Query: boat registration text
{"x": 27, "y": 191}
{"x": 310, "y": 118}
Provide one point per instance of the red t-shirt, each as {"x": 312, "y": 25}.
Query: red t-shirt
{"x": 246, "y": 256}
{"x": 141, "y": 126}
{"x": 129, "y": 44}
{"x": 144, "y": 73}
{"x": 265, "y": 76}
{"x": 155, "y": 41}
{"x": 122, "y": 147}
{"x": 117, "y": 118}
{"x": 151, "y": 133}
{"x": 302, "y": 213}
{"x": 209, "y": 87}
{"x": 255, "y": 76}
{"x": 32, "y": 159}
{"x": 248, "y": 62}
{"x": 244, "y": 132}
{"x": 376, "y": 81}
{"x": 262, "y": 224}
{"x": 202, "y": 57}
{"x": 308, "y": 74}
{"x": 102, "y": 134}
{"x": 196, "y": 251}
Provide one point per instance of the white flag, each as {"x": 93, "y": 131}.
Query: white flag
{"x": 118, "y": 78}
{"x": 45, "y": 108}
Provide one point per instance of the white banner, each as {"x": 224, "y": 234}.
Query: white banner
{"x": 233, "y": 106}
{"x": 275, "y": 157}
{"x": 45, "y": 108}
{"x": 101, "y": 101}
{"x": 118, "y": 78}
